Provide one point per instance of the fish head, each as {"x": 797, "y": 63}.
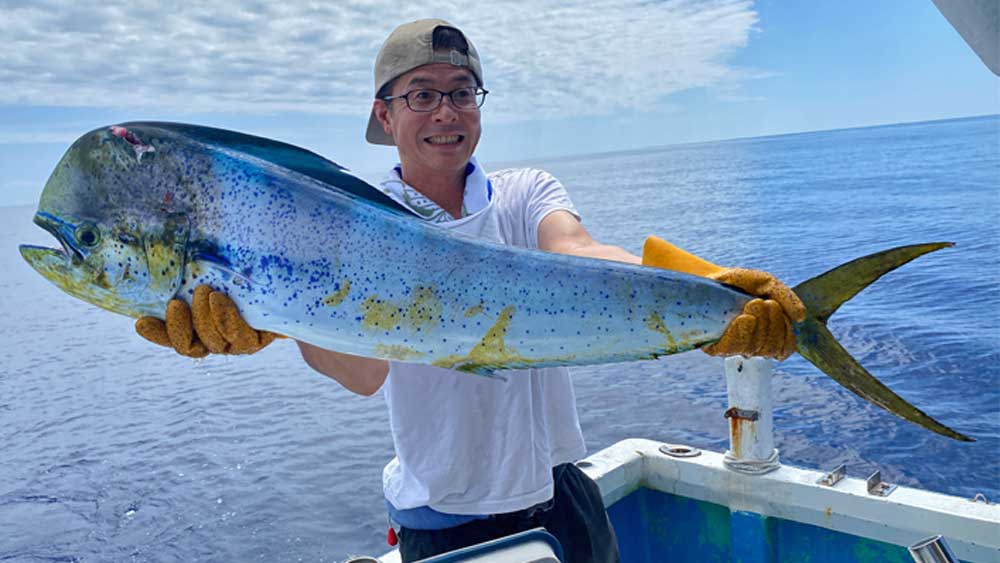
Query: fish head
{"x": 122, "y": 247}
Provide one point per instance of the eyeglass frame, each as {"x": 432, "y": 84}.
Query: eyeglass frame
{"x": 441, "y": 96}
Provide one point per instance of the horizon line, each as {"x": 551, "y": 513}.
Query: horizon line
{"x": 656, "y": 148}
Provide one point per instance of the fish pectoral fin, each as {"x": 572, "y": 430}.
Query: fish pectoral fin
{"x": 479, "y": 369}
{"x": 224, "y": 268}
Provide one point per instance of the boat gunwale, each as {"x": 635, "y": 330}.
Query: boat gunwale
{"x": 792, "y": 493}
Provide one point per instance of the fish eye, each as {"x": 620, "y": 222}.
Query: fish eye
{"x": 88, "y": 235}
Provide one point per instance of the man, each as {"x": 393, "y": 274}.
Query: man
{"x": 477, "y": 458}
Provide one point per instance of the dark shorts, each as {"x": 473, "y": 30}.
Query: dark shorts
{"x": 575, "y": 516}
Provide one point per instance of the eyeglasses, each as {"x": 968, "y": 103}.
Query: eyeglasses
{"x": 428, "y": 99}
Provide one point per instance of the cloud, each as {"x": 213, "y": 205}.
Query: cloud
{"x": 546, "y": 59}
{"x": 731, "y": 88}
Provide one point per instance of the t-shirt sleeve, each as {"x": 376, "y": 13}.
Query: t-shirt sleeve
{"x": 544, "y": 194}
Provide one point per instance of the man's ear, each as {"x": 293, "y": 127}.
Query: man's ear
{"x": 381, "y": 109}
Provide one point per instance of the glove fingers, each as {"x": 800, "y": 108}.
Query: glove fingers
{"x": 790, "y": 303}
{"x": 750, "y": 281}
{"x": 778, "y": 338}
{"x": 153, "y": 330}
{"x": 212, "y": 324}
{"x": 761, "y": 330}
{"x": 263, "y": 339}
{"x": 777, "y": 324}
{"x": 763, "y": 284}
{"x": 180, "y": 329}
{"x": 204, "y": 322}
{"x": 789, "y": 346}
{"x": 242, "y": 338}
{"x": 782, "y": 332}
{"x": 197, "y": 350}
{"x": 735, "y": 339}
{"x": 757, "y": 343}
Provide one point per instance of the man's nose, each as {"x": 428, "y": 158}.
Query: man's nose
{"x": 446, "y": 111}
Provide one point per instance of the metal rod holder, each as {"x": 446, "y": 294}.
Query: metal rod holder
{"x": 878, "y": 487}
{"x": 932, "y": 550}
{"x": 751, "y": 428}
{"x": 833, "y": 477}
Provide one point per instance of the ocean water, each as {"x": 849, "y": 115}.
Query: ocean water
{"x": 115, "y": 450}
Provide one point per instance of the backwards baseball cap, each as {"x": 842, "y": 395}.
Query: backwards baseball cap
{"x": 409, "y": 46}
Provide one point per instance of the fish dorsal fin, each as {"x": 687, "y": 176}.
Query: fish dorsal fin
{"x": 285, "y": 155}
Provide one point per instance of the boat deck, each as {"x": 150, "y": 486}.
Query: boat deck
{"x": 684, "y": 509}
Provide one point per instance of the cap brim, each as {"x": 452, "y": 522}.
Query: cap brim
{"x": 376, "y": 135}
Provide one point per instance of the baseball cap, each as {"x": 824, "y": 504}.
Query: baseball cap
{"x": 409, "y": 46}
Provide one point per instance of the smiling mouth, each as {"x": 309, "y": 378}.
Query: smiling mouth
{"x": 444, "y": 139}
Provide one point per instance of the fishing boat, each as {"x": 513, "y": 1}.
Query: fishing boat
{"x": 675, "y": 503}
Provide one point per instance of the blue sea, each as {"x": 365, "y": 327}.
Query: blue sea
{"x": 116, "y": 450}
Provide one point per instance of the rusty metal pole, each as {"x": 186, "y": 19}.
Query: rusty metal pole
{"x": 750, "y": 416}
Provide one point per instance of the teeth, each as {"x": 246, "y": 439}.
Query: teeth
{"x": 443, "y": 139}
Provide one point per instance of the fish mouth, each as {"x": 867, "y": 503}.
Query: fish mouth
{"x": 52, "y": 263}
{"x": 72, "y": 277}
{"x": 58, "y": 265}
{"x": 59, "y": 229}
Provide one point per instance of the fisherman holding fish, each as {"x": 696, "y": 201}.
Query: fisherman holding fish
{"x": 480, "y": 458}
{"x": 217, "y": 232}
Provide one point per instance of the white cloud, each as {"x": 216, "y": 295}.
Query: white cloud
{"x": 543, "y": 59}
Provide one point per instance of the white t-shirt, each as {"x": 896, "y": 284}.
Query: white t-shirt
{"x": 467, "y": 444}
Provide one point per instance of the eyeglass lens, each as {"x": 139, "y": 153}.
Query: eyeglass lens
{"x": 462, "y": 98}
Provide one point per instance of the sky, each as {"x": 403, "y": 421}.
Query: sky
{"x": 565, "y": 78}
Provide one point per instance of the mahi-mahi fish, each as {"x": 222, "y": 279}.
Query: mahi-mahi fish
{"x": 147, "y": 211}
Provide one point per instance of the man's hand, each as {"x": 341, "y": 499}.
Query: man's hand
{"x": 211, "y": 325}
{"x": 764, "y": 328}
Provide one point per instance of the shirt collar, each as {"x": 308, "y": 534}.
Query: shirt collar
{"x": 477, "y": 194}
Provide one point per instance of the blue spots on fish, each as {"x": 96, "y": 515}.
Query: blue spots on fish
{"x": 274, "y": 264}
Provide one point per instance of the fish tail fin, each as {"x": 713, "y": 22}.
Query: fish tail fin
{"x": 823, "y": 295}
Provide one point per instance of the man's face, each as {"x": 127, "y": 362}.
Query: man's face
{"x": 441, "y": 140}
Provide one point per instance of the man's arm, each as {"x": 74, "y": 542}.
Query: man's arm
{"x": 562, "y": 233}
{"x": 358, "y": 374}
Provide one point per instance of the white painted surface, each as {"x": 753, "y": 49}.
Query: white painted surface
{"x": 391, "y": 557}
{"x": 972, "y": 529}
{"x": 748, "y": 385}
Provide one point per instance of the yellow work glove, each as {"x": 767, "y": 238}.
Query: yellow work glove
{"x": 211, "y": 325}
{"x": 764, "y": 327}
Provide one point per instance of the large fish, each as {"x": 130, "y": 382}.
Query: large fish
{"x": 147, "y": 211}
